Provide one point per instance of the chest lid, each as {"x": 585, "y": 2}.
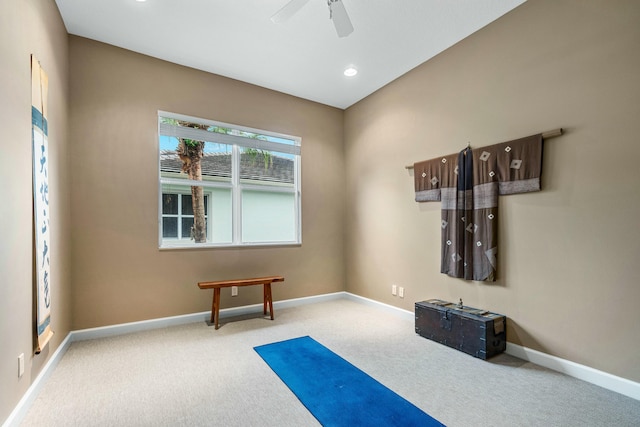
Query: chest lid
{"x": 460, "y": 309}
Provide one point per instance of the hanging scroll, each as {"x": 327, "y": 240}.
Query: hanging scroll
{"x": 42, "y": 234}
{"x": 468, "y": 184}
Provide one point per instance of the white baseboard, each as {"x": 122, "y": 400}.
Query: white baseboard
{"x": 164, "y": 322}
{"x": 611, "y": 382}
{"x": 21, "y": 409}
{"x": 144, "y": 325}
{"x": 585, "y": 373}
{"x": 205, "y": 316}
{"x": 409, "y": 315}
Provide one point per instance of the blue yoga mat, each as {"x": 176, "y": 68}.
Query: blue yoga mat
{"x": 336, "y": 392}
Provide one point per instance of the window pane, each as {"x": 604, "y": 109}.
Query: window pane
{"x": 215, "y": 164}
{"x": 169, "y": 204}
{"x": 169, "y": 228}
{"x": 268, "y": 217}
{"x": 169, "y": 160}
{"x": 187, "y": 223}
{"x": 187, "y": 204}
{"x": 221, "y": 219}
{"x": 262, "y": 165}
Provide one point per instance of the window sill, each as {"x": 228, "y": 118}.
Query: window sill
{"x": 205, "y": 246}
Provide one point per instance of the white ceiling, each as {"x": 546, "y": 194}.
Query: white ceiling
{"x": 304, "y": 56}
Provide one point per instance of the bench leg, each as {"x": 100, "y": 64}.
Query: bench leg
{"x": 268, "y": 299}
{"x": 264, "y": 299}
{"x": 215, "y": 309}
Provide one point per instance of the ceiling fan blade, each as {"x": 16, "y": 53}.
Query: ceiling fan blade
{"x": 288, "y": 10}
{"x": 340, "y": 18}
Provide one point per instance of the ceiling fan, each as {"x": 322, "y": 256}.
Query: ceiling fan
{"x": 337, "y": 13}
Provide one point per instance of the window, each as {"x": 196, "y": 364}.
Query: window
{"x": 177, "y": 215}
{"x": 226, "y": 185}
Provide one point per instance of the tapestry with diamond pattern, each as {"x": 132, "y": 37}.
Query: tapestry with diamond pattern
{"x": 468, "y": 184}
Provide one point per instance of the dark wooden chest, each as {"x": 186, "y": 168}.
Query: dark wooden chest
{"x": 479, "y": 333}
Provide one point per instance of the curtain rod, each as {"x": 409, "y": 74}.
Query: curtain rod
{"x": 545, "y": 135}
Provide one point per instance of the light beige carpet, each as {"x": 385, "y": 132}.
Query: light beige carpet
{"x": 193, "y": 375}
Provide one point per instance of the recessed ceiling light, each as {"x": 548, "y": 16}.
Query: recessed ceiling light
{"x": 140, "y": 1}
{"x": 350, "y": 71}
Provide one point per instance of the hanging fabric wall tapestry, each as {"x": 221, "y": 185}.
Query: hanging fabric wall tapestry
{"x": 42, "y": 235}
{"x": 468, "y": 184}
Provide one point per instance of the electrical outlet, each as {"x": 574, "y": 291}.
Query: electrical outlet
{"x": 21, "y": 365}
{"x": 234, "y": 291}
{"x": 401, "y": 292}
{"x": 394, "y": 289}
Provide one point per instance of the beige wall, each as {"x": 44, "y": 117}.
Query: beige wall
{"x": 119, "y": 274}
{"x": 569, "y": 254}
{"x": 30, "y": 27}
{"x": 567, "y": 280}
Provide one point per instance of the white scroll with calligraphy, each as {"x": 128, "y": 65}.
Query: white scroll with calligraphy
{"x": 42, "y": 234}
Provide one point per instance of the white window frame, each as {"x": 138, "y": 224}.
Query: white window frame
{"x": 236, "y": 185}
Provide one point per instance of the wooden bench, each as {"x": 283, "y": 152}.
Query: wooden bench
{"x": 216, "y": 286}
